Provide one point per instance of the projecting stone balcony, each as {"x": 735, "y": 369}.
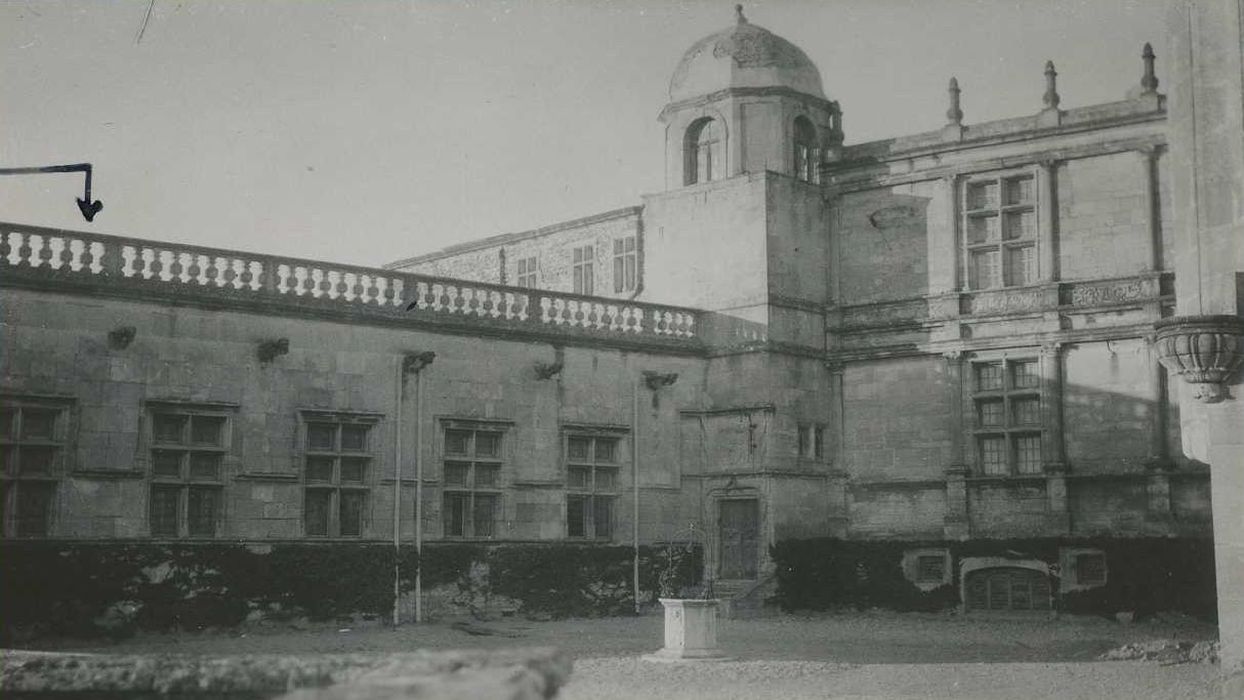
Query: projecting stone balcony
{"x": 79, "y": 262}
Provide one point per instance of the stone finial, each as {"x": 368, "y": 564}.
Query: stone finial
{"x": 1051, "y": 97}
{"x": 954, "y": 114}
{"x": 738, "y": 15}
{"x": 1148, "y": 81}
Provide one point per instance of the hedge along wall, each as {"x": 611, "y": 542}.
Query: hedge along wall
{"x": 1145, "y": 575}
{"x": 83, "y": 589}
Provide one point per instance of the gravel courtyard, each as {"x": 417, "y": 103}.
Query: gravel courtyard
{"x": 855, "y": 655}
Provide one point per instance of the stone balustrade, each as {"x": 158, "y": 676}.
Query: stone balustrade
{"x": 157, "y": 270}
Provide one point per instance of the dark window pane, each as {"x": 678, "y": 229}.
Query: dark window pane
{"x": 7, "y": 416}
{"x": 166, "y": 463}
{"x": 321, "y": 436}
{"x": 989, "y": 376}
{"x": 931, "y": 569}
{"x": 205, "y": 465}
{"x": 580, "y": 477}
{"x": 456, "y": 473}
{"x": 354, "y": 438}
{"x": 487, "y": 444}
{"x": 989, "y": 413}
{"x": 203, "y": 509}
{"x": 993, "y": 455}
{"x": 1024, "y": 375}
{"x": 169, "y": 428}
{"x": 34, "y": 509}
{"x": 36, "y": 460}
{"x": 352, "y": 513}
{"x": 602, "y": 516}
{"x": 819, "y": 445}
{"x": 316, "y": 511}
{"x": 1027, "y": 411}
{"x": 576, "y": 516}
{"x": 164, "y": 506}
{"x": 579, "y": 448}
{"x": 207, "y": 430}
{"x": 457, "y": 442}
{"x": 1090, "y": 568}
{"x": 485, "y": 508}
{"x": 320, "y": 469}
{"x": 455, "y": 510}
{"x": 9, "y": 455}
{"x": 353, "y": 471}
{"x": 606, "y": 449}
{"x": 485, "y": 476}
{"x": 38, "y": 424}
{"x": 606, "y": 479}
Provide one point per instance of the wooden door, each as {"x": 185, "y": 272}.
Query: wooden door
{"x": 738, "y": 527}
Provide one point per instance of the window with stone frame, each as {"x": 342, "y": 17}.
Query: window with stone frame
{"x": 811, "y": 439}
{"x": 593, "y": 464}
{"x": 528, "y": 274}
{"x": 1000, "y": 231}
{"x": 583, "y": 259}
{"x": 471, "y": 480}
{"x": 703, "y": 159}
{"x": 33, "y": 446}
{"x": 188, "y": 445}
{"x": 807, "y": 153}
{"x": 1006, "y": 395}
{"x": 338, "y": 473}
{"x": 624, "y": 265}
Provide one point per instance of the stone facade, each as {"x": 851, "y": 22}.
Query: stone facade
{"x": 941, "y": 336}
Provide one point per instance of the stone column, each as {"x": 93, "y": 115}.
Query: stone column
{"x": 1047, "y": 218}
{"x": 1053, "y": 447}
{"x": 1206, "y": 160}
{"x": 956, "y": 525}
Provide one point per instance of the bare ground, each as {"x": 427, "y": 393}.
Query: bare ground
{"x": 871, "y": 654}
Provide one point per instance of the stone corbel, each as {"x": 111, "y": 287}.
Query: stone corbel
{"x": 121, "y": 337}
{"x": 1203, "y": 350}
{"x": 269, "y": 350}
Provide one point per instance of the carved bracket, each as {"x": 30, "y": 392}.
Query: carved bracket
{"x": 1204, "y": 350}
{"x": 269, "y": 350}
{"x": 656, "y": 380}
{"x": 416, "y": 361}
{"x": 121, "y": 337}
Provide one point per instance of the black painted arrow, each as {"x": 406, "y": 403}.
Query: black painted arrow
{"x": 88, "y": 208}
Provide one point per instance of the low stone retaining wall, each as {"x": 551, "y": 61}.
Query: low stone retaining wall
{"x": 511, "y": 674}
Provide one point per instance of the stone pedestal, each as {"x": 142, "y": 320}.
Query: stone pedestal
{"x": 690, "y": 631}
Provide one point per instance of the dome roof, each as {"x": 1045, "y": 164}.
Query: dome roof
{"x": 743, "y": 55}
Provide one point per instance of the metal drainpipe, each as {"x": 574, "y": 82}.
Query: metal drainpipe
{"x": 635, "y": 489}
{"x": 397, "y": 490}
{"x": 419, "y": 496}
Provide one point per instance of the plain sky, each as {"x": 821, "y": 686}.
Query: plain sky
{"x": 362, "y": 132}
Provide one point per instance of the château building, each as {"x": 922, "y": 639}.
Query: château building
{"x": 936, "y": 338}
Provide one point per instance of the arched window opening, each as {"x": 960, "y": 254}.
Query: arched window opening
{"x": 807, "y": 152}
{"x": 704, "y": 160}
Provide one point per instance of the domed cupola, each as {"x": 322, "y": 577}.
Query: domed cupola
{"x": 743, "y": 56}
{"x": 745, "y": 100}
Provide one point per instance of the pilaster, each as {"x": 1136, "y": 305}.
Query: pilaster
{"x": 1047, "y": 220}
{"x": 956, "y": 525}
{"x": 1053, "y": 447}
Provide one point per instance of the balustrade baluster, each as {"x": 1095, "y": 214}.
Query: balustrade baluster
{"x": 66, "y": 255}
{"x": 45, "y": 251}
{"x": 87, "y": 257}
{"x": 195, "y": 271}
{"x": 24, "y": 252}
{"x": 138, "y": 263}
{"x": 356, "y": 289}
{"x": 5, "y": 248}
{"x": 247, "y": 277}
